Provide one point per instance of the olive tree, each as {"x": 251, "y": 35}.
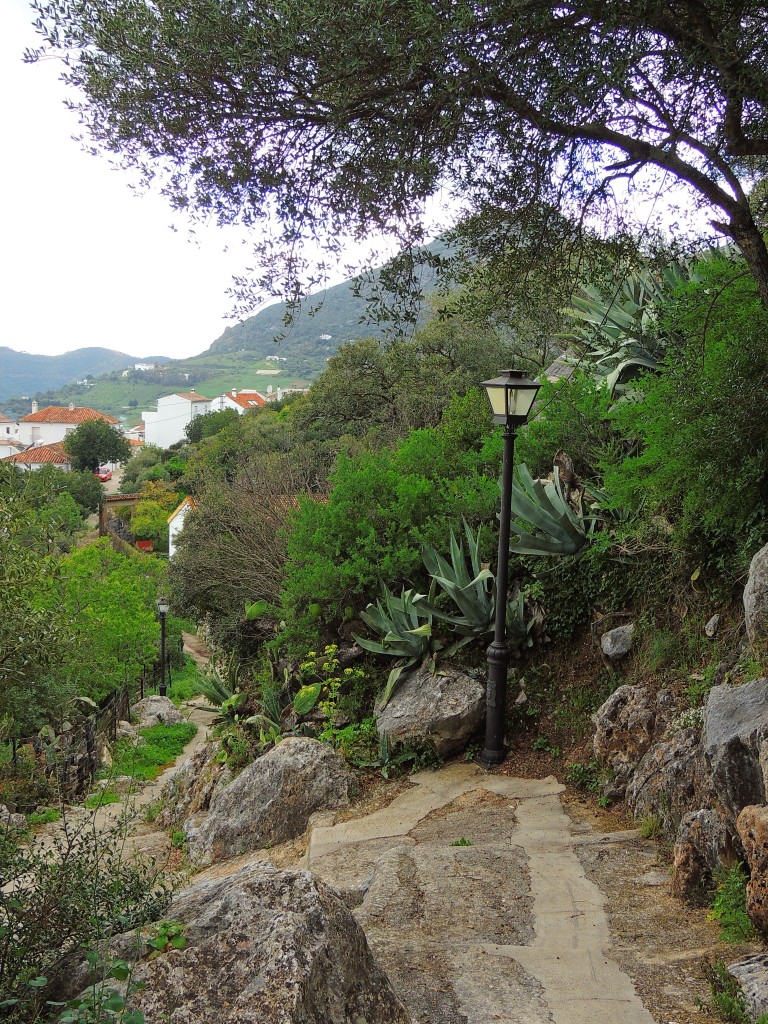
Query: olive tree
{"x": 317, "y": 120}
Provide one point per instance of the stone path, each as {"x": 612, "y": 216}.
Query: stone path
{"x": 473, "y": 898}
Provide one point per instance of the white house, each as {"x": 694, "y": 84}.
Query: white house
{"x": 176, "y": 522}
{"x": 41, "y": 455}
{"x": 240, "y": 401}
{"x": 9, "y": 447}
{"x": 9, "y": 429}
{"x": 54, "y": 422}
{"x": 166, "y": 426}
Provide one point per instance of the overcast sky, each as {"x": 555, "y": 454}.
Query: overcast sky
{"x": 85, "y": 261}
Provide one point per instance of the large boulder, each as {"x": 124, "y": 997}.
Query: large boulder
{"x": 190, "y": 789}
{"x": 271, "y": 800}
{"x": 752, "y": 825}
{"x": 701, "y": 846}
{"x": 624, "y": 730}
{"x": 735, "y": 725}
{"x": 155, "y": 710}
{"x": 263, "y": 945}
{"x": 670, "y": 781}
{"x": 756, "y": 601}
{"x": 441, "y": 710}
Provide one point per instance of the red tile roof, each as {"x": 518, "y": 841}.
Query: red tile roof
{"x": 246, "y": 399}
{"x": 5, "y": 419}
{"x": 61, "y": 414}
{"x": 43, "y": 453}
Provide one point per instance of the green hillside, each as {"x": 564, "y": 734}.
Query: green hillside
{"x": 237, "y": 359}
{"x": 22, "y": 373}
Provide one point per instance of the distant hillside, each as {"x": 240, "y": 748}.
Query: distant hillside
{"x": 328, "y": 320}
{"x": 25, "y": 374}
{"x": 237, "y": 359}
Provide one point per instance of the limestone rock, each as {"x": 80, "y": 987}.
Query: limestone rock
{"x": 155, "y": 710}
{"x": 671, "y": 779}
{"x": 441, "y": 710}
{"x": 271, "y": 800}
{"x": 752, "y": 825}
{"x": 712, "y": 627}
{"x": 125, "y": 731}
{"x": 701, "y": 846}
{"x": 624, "y": 729}
{"x": 190, "y": 789}
{"x": 756, "y": 600}
{"x": 752, "y": 974}
{"x": 12, "y": 820}
{"x": 264, "y": 945}
{"x": 735, "y": 725}
{"x": 616, "y": 643}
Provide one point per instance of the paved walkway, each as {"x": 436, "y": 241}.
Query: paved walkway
{"x": 472, "y": 895}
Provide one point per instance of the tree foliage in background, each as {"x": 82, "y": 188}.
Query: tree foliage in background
{"x": 383, "y": 506}
{"x": 702, "y": 438}
{"x": 330, "y": 119}
{"x": 94, "y": 442}
{"x": 209, "y": 424}
{"x": 108, "y": 599}
{"x": 231, "y": 551}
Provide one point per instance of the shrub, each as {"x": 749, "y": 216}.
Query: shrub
{"x": 729, "y": 906}
{"x": 63, "y": 900}
{"x": 703, "y": 459}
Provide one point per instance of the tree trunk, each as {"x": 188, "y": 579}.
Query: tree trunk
{"x": 749, "y": 239}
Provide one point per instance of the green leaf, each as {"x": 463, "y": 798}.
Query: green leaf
{"x": 307, "y": 698}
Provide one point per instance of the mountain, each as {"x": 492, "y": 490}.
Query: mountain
{"x": 327, "y": 320}
{"x": 25, "y": 374}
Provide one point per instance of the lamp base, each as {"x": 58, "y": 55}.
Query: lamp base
{"x": 490, "y": 758}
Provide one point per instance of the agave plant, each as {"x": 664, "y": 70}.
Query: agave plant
{"x": 547, "y": 524}
{"x": 621, "y": 326}
{"x": 405, "y": 629}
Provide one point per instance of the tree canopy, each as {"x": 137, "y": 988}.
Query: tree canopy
{"x": 94, "y": 442}
{"x": 338, "y": 119}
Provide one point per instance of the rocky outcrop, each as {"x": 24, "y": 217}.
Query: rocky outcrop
{"x": 617, "y": 643}
{"x": 701, "y": 846}
{"x": 735, "y": 725}
{"x": 262, "y": 945}
{"x": 624, "y": 730}
{"x": 752, "y": 825}
{"x": 670, "y": 781}
{"x": 155, "y": 710}
{"x": 190, "y": 790}
{"x": 441, "y": 710}
{"x": 271, "y": 800}
{"x": 752, "y": 974}
{"x": 12, "y": 820}
{"x": 756, "y": 601}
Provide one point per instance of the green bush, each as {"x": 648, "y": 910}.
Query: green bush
{"x": 729, "y": 906}
{"x": 703, "y": 458}
{"x": 383, "y": 507}
{"x": 574, "y": 414}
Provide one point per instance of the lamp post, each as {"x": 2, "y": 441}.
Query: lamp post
{"x": 511, "y": 396}
{"x": 162, "y": 611}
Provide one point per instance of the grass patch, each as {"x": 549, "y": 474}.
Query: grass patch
{"x": 158, "y": 746}
{"x": 44, "y": 817}
{"x": 101, "y": 799}
{"x": 727, "y": 999}
{"x": 185, "y": 682}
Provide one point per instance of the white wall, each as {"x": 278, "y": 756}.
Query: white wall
{"x": 48, "y": 433}
{"x": 166, "y": 426}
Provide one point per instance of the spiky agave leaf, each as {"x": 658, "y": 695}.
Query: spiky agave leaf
{"x": 547, "y": 525}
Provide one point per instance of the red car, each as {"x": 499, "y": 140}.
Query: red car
{"x": 103, "y": 473}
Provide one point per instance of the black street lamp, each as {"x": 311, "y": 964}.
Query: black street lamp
{"x": 162, "y": 611}
{"x": 511, "y": 396}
